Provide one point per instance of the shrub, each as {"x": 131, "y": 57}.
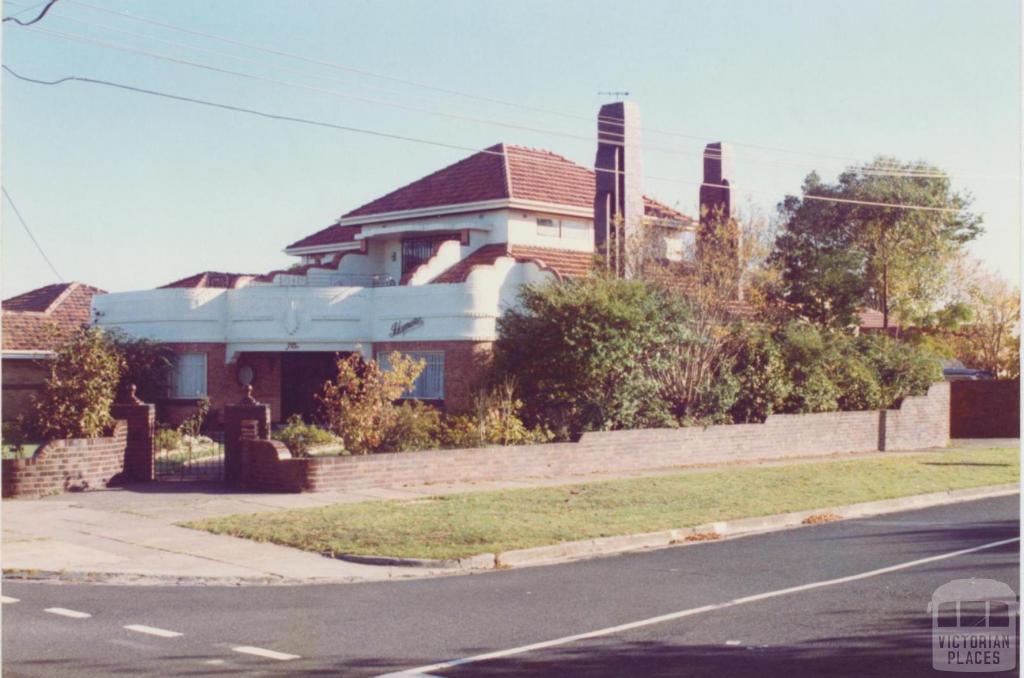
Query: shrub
{"x": 77, "y": 395}
{"x": 299, "y": 436}
{"x": 415, "y": 426}
{"x": 167, "y": 439}
{"x": 762, "y": 375}
{"x": 856, "y": 382}
{"x": 902, "y": 368}
{"x": 359, "y": 403}
{"x": 806, "y": 353}
{"x": 587, "y": 353}
{"x": 494, "y": 421}
{"x": 147, "y": 364}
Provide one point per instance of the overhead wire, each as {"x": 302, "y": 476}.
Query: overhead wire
{"x": 28, "y": 230}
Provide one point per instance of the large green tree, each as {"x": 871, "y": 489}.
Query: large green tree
{"x": 841, "y": 246}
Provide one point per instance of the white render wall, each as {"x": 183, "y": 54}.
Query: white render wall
{"x": 283, "y": 318}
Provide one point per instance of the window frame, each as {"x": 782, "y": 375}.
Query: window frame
{"x": 426, "y": 354}
{"x": 174, "y": 383}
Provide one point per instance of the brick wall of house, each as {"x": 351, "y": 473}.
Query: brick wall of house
{"x": 985, "y": 409}
{"x": 222, "y": 384}
{"x": 464, "y": 365}
{"x": 67, "y": 465}
{"x": 21, "y": 381}
{"x": 920, "y": 422}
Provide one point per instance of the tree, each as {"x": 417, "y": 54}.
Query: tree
{"x": 147, "y": 364}
{"x": 77, "y": 395}
{"x": 587, "y": 353}
{"x": 990, "y": 340}
{"x": 838, "y": 254}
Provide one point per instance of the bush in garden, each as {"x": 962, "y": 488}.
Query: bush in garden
{"x": 299, "y": 436}
{"x": 494, "y": 420}
{"x": 762, "y": 375}
{"x": 147, "y": 364}
{"x": 806, "y": 352}
{"x": 857, "y": 382}
{"x": 587, "y": 353}
{"x": 358, "y": 405}
{"x": 415, "y": 426}
{"x": 167, "y": 439}
{"x": 77, "y": 395}
{"x": 903, "y": 369}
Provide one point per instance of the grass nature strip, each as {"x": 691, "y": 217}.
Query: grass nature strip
{"x": 458, "y": 525}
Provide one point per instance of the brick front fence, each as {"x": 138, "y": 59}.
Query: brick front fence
{"x": 920, "y": 422}
{"x": 67, "y": 465}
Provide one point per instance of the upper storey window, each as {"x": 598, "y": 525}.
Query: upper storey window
{"x": 549, "y": 227}
{"x": 417, "y": 251}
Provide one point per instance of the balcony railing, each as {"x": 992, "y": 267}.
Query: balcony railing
{"x": 328, "y": 279}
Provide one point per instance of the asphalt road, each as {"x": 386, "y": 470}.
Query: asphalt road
{"x": 871, "y": 622}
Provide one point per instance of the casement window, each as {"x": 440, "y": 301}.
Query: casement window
{"x": 430, "y": 384}
{"x": 549, "y": 227}
{"x": 188, "y": 376}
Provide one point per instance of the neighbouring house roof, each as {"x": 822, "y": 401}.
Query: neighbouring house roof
{"x": 499, "y": 172}
{"x": 213, "y": 279}
{"x": 42, "y": 319}
{"x": 873, "y": 319}
{"x": 563, "y": 263}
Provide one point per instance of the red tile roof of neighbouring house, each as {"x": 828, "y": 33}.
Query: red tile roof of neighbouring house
{"x": 41, "y": 319}
{"x": 212, "y": 279}
{"x": 502, "y": 171}
{"x": 563, "y": 263}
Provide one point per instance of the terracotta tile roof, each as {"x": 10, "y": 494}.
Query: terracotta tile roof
{"x": 873, "y": 319}
{"x": 331, "y": 235}
{"x": 664, "y": 213}
{"x": 502, "y": 171}
{"x": 212, "y": 279}
{"x": 41, "y": 319}
{"x": 563, "y": 263}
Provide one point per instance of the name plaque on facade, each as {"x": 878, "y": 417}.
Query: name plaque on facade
{"x": 398, "y": 328}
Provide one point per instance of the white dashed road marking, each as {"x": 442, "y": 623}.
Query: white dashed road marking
{"x": 152, "y": 630}
{"x": 8, "y": 599}
{"x": 260, "y": 652}
{"x": 64, "y": 612}
{"x": 732, "y": 642}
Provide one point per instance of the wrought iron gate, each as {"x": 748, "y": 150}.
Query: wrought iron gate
{"x": 197, "y": 459}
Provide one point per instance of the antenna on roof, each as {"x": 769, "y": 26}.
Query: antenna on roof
{"x": 618, "y": 95}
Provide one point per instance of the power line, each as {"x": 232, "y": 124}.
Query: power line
{"x": 18, "y": 21}
{"x": 442, "y": 90}
{"x": 29, "y": 231}
{"x": 388, "y": 135}
{"x": 205, "y": 66}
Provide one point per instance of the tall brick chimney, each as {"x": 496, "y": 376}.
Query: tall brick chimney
{"x": 718, "y": 238}
{"x": 618, "y": 201}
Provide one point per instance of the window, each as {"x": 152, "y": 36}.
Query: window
{"x": 188, "y": 378}
{"x": 416, "y": 251}
{"x": 430, "y": 384}
{"x": 549, "y": 227}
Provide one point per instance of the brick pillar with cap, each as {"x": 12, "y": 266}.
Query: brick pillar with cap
{"x": 241, "y": 421}
{"x": 140, "y": 447}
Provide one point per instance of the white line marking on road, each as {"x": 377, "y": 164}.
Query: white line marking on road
{"x": 215, "y": 662}
{"x": 8, "y": 599}
{"x": 152, "y": 630}
{"x": 64, "y": 612}
{"x": 672, "y": 616}
{"x": 732, "y": 642}
{"x": 260, "y": 652}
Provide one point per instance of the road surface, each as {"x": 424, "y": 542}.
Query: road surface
{"x": 843, "y": 598}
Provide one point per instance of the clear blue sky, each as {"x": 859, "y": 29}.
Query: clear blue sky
{"x": 126, "y": 191}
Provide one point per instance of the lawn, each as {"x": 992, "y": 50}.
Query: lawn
{"x": 25, "y": 452}
{"x": 458, "y": 525}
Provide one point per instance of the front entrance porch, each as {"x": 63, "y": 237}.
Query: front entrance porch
{"x": 302, "y": 379}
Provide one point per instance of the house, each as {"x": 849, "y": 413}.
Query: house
{"x": 34, "y": 326}
{"x": 426, "y": 269}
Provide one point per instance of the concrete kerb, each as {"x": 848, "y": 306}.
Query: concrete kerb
{"x": 608, "y": 546}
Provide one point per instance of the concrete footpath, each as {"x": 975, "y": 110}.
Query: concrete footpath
{"x": 127, "y": 535}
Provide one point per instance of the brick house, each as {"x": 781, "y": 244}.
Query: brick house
{"x": 426, "y": 269}
{"x": 35, "y": 324}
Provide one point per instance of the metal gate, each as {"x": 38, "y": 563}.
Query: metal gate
{"x": 198, "y": 459}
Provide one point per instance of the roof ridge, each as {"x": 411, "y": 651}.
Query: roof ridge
{"x": 505, "y": 168}
{"x": 59, "y": 299}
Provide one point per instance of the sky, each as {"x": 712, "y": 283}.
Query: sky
{"x": 129, "y": 191}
